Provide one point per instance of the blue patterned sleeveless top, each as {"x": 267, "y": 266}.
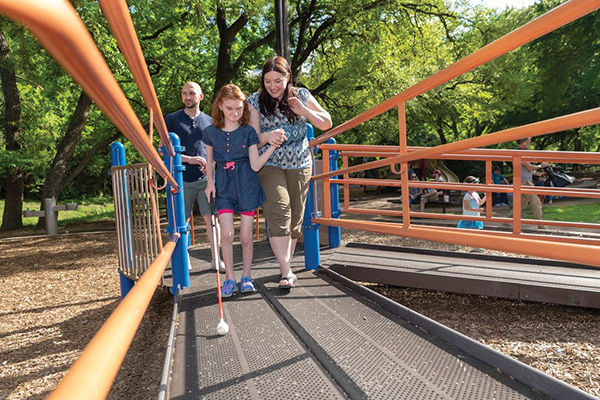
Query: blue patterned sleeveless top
{"x": 294, "y": 153}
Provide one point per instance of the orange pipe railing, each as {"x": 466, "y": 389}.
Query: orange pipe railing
{"x": 92, "y": 375}
{"x": 471, "y": 149}
{"x": 60, "y": 30}
{"x": 559, "y": 124}
{"x": 535, "y": 245}
{"x": 119, "y": 19}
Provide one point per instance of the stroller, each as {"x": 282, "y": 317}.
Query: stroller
{"x": 556, "y": 178}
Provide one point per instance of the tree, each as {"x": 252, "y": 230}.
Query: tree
{"x": 13, "y": 205}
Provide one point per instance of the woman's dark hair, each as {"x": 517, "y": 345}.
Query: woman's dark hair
{"x": 267, "y": 103}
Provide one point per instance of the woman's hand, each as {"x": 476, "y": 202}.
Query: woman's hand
{"x": 276, "y": 137}
{"x": 296, "y": 106}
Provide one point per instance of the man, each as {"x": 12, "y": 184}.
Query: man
{"x": 189, "y": 124}
{"x": 527, "y": 180}
{"x": 431, "y": 194}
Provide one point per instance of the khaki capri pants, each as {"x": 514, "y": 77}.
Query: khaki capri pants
{"x": 286, "y": 191}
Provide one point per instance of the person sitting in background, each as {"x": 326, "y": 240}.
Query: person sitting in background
{"x": 414, "y": 193}
{"x": 431, "y": 194}
{"x": 499, "y": 199}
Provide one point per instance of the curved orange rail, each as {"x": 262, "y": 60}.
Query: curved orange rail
{"x": 566, "y": 122}
{"x": 585, "y": 251}
{"x": 92, "y": 375}
{"x": 58, "y": 27}
{"x": 119, "y": 19}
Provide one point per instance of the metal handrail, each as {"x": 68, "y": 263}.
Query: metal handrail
{"x": 57, "y": 26}
{"x": 92, "y": 375}
{"x": 566, "y": 122}
{"x": 584, "y": 251}
{"x": 119, "y": 19}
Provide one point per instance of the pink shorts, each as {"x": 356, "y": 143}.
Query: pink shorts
{"x": 230, "y": 211}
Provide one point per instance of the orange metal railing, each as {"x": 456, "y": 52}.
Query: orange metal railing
{"x": 119, "y": 19}
{"x": 585, "y": 251}
{"x": 91, "y": 376}
{"x": 58, "y": 27}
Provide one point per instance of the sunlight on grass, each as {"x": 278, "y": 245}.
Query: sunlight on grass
{"x": 576, "y": 213}
{"x": 85, "y": 213}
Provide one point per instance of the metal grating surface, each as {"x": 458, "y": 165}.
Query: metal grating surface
{"x": 390, "y": 359}
{"x": 260, "y": 358}
{"x": 318, "y": 341}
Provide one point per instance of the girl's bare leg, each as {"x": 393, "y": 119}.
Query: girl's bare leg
{"x": 247, "y": 242}
{"x": 227, "y": 235}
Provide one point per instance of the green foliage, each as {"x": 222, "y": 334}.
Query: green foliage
{"x": 351, "y": 55}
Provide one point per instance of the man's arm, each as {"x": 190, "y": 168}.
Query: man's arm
{"x": 530, "y": 167}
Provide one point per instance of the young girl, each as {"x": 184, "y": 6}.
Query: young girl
{"x": 472, "y": 206}
{"x": 231, "y": 143}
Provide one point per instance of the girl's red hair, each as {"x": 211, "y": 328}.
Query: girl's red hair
{"x": 229, "y": 92}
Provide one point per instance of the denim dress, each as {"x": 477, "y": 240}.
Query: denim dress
{"x": 236, "y": 183}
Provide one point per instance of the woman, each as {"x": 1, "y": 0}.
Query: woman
{"x": 279, "y": 113}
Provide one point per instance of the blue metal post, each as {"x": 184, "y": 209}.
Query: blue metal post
{"x": 334, "y": 232}
{"x": 176, "y": 208}
{"x": 312, "y": 255}
{"x": 117, "y": 158}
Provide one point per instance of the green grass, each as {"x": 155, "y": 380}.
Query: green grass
{"x": 86, "y": 212}
{"x": 103, "y": 209}
{"x": 574, "y": 213}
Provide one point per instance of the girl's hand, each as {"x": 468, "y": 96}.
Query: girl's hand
{"x": 210, "y": 190}
{"x": 296, "y": 106}
{"x": 276, "y": 137}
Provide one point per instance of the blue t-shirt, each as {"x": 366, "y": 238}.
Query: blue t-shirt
{"x": 190, "y": 131}
{"x": 294, "y": 153}
{"x": 497, "y": 179}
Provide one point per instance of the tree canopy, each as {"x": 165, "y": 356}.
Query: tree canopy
{"x": 350, "y": 55}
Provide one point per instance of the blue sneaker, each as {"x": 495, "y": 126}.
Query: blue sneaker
{"x": 247, "y": 285}
{"x": 229, "y": 288}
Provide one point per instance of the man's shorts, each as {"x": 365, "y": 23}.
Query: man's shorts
{"x": 195, "y": 191}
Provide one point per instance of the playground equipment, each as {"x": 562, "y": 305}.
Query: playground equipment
{"x": 50, "y": 214}
{"x": 136, "y": 217}
{"x": 447, "y": 175}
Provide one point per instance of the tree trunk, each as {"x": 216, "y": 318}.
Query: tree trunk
{"x": 13, "y": 206}
{"x": 225, "y": 71}
{"x": 54, "y": 182}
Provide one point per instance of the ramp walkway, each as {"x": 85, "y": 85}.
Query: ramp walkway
{"x": 331, "y": 339}
{"x": 480, "y": 274}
